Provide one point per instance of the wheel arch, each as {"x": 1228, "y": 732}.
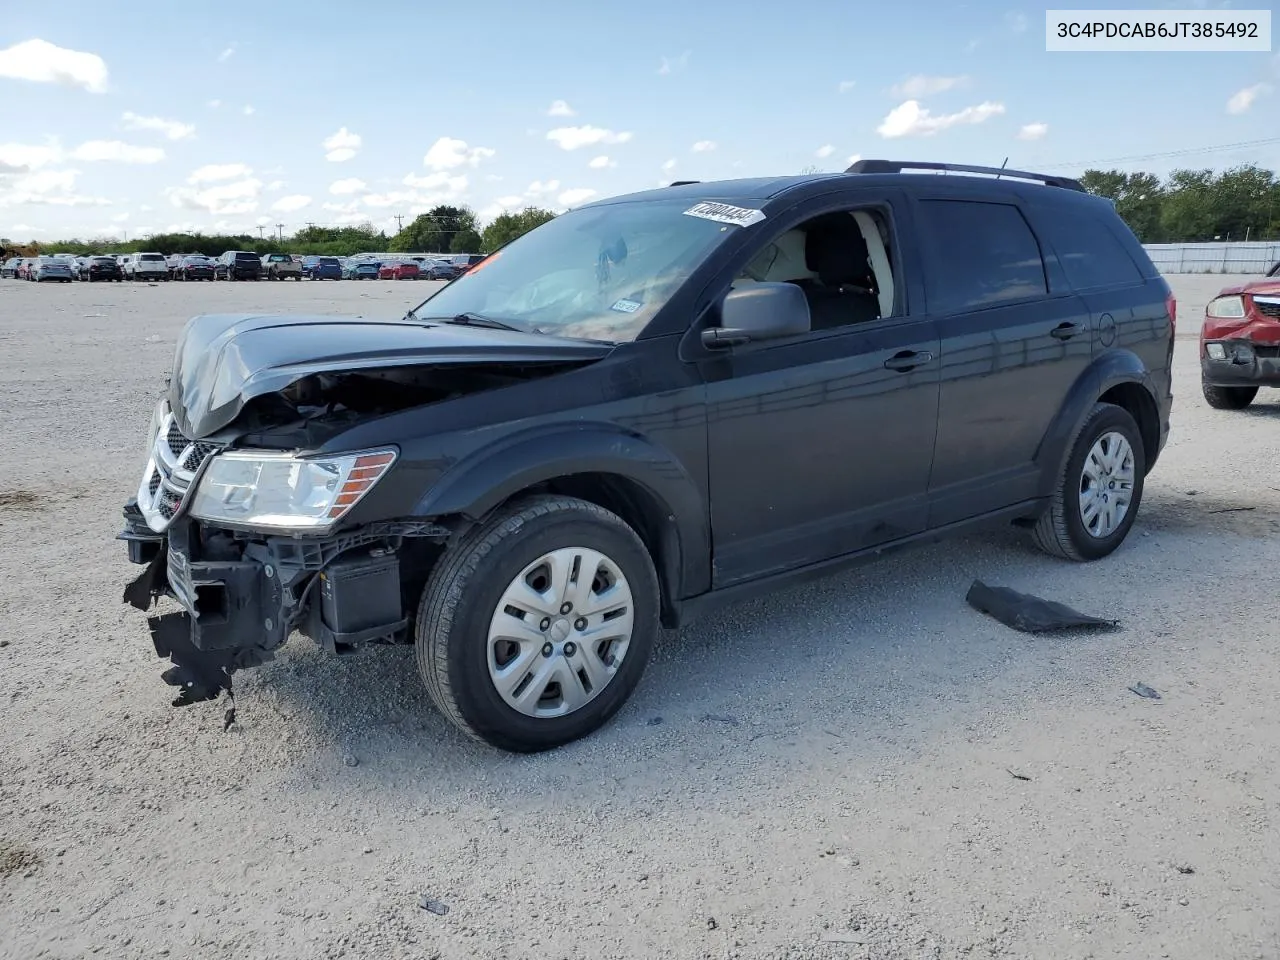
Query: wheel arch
{"x": 623, "y": 472}
{"x": 1118, "y": 377}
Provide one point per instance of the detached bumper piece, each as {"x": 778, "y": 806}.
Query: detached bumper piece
{"x": 241, "y": 596}
{"x": 1240, "y": 363}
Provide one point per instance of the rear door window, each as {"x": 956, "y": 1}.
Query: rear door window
{"x": 980, "y": 255}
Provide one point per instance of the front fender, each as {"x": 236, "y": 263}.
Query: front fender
{"x": 482, "y": 481}
{"x": 1107, "y": 370}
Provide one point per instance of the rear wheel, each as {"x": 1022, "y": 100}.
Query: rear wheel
{"x": 534, "y": 628}
{"x": 1096, "y": 499}
{"x": 1228, "y": 398}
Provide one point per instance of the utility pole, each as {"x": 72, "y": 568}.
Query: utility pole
{"x": 261, "y": 235}
{"x": 399, "y": 218}
{"x": 310, "y": 225}
{"x": 279, "y": 233}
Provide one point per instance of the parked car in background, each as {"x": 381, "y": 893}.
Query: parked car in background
{"x": 146, "y": 266}
{"x": 194, "y": 267}
{"x": 51, "y": 268}
{"x": 172, "y": 262}
{"x": 23, "y": 270}
{"x": 398, "y": 270}
{"x": 1240, "y": 344}
{"x": 281, "y": 266}
{"x": 465, "y": 261}
{"x": 10, "y": 267}
{"x": 325, "y": 268}
{"x": 437, "y": 270}
{"x": 361, "y": 270}
{"x": 99, "y": 268}
{"x": 238, "y": 265}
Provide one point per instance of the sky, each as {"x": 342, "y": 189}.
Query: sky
{"x": 288, "y": 114}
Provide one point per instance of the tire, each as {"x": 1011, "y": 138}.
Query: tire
{"x": 462, "y": 597}
{"x": 1228, "y": 398}
{"x": 1062, "y": 530}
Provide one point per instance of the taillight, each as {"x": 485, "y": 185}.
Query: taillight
{"x": 1171, "y": 304}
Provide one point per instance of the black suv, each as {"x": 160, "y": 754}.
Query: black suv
{"x": 642, "y": 408}
{"x": 238, "y": 265}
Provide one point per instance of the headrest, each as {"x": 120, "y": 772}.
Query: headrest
{"x": 836, "y": 251}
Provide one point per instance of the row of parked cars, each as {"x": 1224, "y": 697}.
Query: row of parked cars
{"x": 236, "y": 265}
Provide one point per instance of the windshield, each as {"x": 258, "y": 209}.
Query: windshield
{"x": 150, "y": 258}
{"x": 596, "y": 273}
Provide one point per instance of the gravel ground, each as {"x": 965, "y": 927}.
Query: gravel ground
{"x": 859, "y": 768}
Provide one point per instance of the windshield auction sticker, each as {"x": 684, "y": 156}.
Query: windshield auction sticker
{"x": 726, "y": 213}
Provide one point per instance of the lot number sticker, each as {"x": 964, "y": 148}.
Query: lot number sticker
{"x": 726, "y": 213}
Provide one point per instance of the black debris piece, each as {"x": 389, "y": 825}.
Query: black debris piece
{"x": 654, "y": 721}
{"x": 433, "y": 906}
{"x": 1017, "y": 776}
{"x": 199, "y": 674}
{"x": 146, "y": 586}
{"x": 720, "y": 718}
{"x": 1234, "y": 510}
{"x": 1142, "y": 690}
{"x": 711, "y": 923}
{"x": 1185, "y": 870}
{"x": 229, "y": 717}
{"x": 1029, "y": 614}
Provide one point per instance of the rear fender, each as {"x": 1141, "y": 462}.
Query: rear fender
{"x": 483, "y": 481}
{"x": 1106, "y": 371}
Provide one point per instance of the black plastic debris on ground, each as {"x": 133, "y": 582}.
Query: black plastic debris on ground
{"x": 1142, "y": 690}
{"x": 431, "y": 905}
{"x": 1029, "y": 614}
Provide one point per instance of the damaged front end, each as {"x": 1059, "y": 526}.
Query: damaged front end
{"x": 240, "y": 516}
{"x": 241, "y": 595}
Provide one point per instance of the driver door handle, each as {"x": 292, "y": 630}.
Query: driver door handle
{"x": 907, "y": 360}
{"x": 1065, "y": 331}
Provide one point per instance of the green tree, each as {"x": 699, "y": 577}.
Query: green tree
{"x": 506, "y": 227}
{"x": 1139, "y": 198}
{"x": 465, "y": 240}
{"x": 433, "y": 231}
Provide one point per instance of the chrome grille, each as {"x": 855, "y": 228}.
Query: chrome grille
{"x": 1268, "y": 306}
{"x": 171, "y": 471}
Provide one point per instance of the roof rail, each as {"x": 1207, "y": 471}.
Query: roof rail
{"x": 897, "y": 166}
{"x": 682, "y": 183}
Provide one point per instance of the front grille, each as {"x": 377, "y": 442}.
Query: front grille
{"x": 171, "y": 471}
{"x": 1268, "y": 308}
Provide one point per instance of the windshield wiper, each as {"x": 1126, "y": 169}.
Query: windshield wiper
{"x": 469, "y": 320}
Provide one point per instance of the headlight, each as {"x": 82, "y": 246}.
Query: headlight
{"x": 281, "y": 491}
{"x": 1226, "y": 308}
{"x": 157, "y": 415}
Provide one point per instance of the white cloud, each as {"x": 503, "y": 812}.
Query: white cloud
{"x": 1033, "y": 131}
{"x": 291, "y": 203}
{"x": 846, "y": 85}
{"x": 1242, "y": 100}
{"x": 120, "y": 218}
{"x": 670, "y": 65}
{"x": 669, "y": 165}
{"x": 215, "y": 104}
{"x": 576, "y": 196}
{"x": 703, "y": 146}
{"x": 601, "y": 162}
{"x": 540, "y": 188}
{"x": 349, "y": 185}
{"x": 351, "y": 207}
{"x": 227, "y": 53}
{"x": 45, "y": 187}
{"x": 219, "y": 171}
{"x": 441, "y": 180}
{"x": 275, "y": 185}
{"x": 173, "y": 129}
{"x": 920, "y": 85}
{"x": 824, "y": 151}
{"x": 448, "y": 153}
{"x": 1016, "y": 21}
{"x": 93, "y": 151}
{"x": 574, "y": 138}
{"x": 247, "y": 109}
{"x": 559, "y": 108}
{"x": 22, "y": 156}
{"x": 511, "y": 201}
{"x": 912, "y": 120}
{"x": 342, "y": 146}
{"x": 854, "y": 158}
{"x": 226, "y": 199}
{"x": 41, "y": 62}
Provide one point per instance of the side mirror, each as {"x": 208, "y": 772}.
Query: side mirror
{"x": 761, "y": 311}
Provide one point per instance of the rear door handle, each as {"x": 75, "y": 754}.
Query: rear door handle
{"x": 1065, "y": 331}
{"x": 907, "y": 360}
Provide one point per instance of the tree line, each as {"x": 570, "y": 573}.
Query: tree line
{"x": 444, "y": 229}
{"x": 1187, "y": 206}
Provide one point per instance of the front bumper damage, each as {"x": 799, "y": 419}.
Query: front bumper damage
{"x": 240, "y": 596}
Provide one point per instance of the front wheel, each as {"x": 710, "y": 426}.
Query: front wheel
{"x": 1228, "y": 398}
{"x": 1096, "y": 499}
{"x": 534, "y": 628}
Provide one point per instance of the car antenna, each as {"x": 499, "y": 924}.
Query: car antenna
{"x": 1002, "y": 166}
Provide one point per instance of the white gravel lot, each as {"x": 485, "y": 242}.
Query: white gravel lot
{"x": 854, "y": 800}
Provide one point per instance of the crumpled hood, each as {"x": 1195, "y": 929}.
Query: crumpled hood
{"x": 225, "y": 360}
{"x": 1257, "y": 288}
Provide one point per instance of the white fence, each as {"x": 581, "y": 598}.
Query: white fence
{"x": 1251, "y": 258}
